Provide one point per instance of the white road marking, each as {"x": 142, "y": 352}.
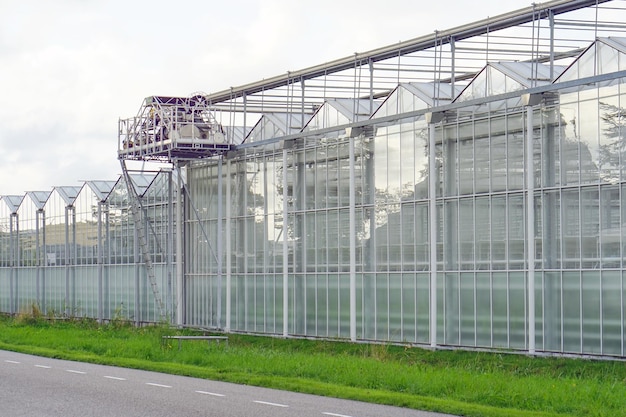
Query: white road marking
{"x": 158, "y": 385}
{"x": 274, "y": 404}
{"x": 8, "y": 361}
{"x": 117, "y": 378}
{"x": 336, "y": 415}
{"x": 210, "y": 393}
{"x": 43, "y": 366}
{"x": 75, "y": 372}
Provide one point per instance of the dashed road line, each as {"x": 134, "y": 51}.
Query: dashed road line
{"x": 117, "y": 378}
{"x": 214, "y": 394}
{"x": 72, "y": 371}
{"x": 8, "y": 361}
{"x": 336, "y": 415}
{"x": 158, "y": 385}
{"x": 43, "y": 366}
{"x": 273, "y": 404}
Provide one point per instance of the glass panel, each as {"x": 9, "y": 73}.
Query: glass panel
{"x": 498, "y": 231}
{"x": 591, "y": 310}
{"x": 466, "y": 233}
{"x": 382, "y": 306}
{"x": 607, "y": 58}
{"x": 451, "y": 239}
{"x": 423, "y": 308}
{"x": 570, "y": 157}
{"x": 612, "y": 320}
{"x": 551, "y": 244}
{"x": 589, "y": 145}
{"x": 396, "y": 307}
{"x": 483, "y": 310}
{"x": 517, "y": 310}
{"x": 466, "y": 159}
{"x": 483, "y": 232}
{"x": 590, "y": 222}
{"x": 517, "y": 234}
{"x": 500, "y": 304}
{"x": 468, "y": 313}
{"x": 572, "y": 324}
{"x": 481, "y": 161}
{"x": 552, "y": 311}
{"x": 570, "y": 214}
{"x": 515, "y": 151}
{"x": 610, "y": 231}
{"x": 498, "y": 158}
{"x": 409, "y": 308}
{"x": 452, "y": 313}
{"x": 610, "y": 130}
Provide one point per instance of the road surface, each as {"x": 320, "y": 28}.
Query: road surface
{"x": 35, "y": 386}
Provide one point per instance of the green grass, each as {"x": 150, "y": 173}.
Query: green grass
{"x": 455, "y": 382}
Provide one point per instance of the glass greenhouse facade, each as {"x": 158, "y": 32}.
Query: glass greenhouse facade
{"x": 477, "y": 202}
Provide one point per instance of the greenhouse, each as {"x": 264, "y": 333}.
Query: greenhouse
{"x": 463, "y": 189}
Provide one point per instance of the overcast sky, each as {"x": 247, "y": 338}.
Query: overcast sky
{"x": 69, "y": 69}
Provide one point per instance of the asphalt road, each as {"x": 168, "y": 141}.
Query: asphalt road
{"x": 34, "y": 386}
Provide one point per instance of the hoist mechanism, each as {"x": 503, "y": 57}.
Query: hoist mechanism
{"x": 172, "y": 128}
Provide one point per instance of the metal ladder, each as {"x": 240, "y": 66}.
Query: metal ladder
{"x": 136, "y": 209}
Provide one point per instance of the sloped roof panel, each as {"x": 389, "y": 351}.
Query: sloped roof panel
{"x": 13, "y": 201}
{"x": 39, "y": 198}
{"x": 603, "y": 56}
{"x": 101, "y": 188}
{"x": 68, "y": 193}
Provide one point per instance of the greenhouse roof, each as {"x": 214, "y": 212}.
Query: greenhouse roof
{"x": 13, "y": 201}
{"x": 608, "y": 55}
{"x": 39, "y": 198}
{"x": 68, "y": 193}
{"x": 101, "y": 188}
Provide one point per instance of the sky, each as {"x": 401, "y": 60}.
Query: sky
{"x": 69, "y": 69}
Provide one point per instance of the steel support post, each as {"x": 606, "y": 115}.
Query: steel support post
{"x": 100, "y": 266}
{"x": 180, "y": 290}
{"x": 352, "y": 244}
{"x": 530, "y": 228}
{"x": 228, "y": 246}
{"x": 432, "y": 221}
{"x": 220, "y": 245}
{"x": 285, "y": 250}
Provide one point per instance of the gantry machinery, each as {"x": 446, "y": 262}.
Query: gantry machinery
{"x": 170, "y": 130}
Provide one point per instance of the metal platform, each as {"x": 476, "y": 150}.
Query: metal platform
{"x": 168, "y": 128}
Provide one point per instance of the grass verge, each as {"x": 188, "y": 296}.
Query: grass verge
{"x": 454, "y": 382}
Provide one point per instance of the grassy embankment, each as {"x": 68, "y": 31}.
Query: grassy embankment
{"x": 460, "y": 383}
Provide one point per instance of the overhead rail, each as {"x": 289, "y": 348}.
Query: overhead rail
{"x": 439, "y": 38}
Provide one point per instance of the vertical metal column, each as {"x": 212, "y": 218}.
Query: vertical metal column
{"x": 228, "y": 247}
{"x": 530, "y": 228}
{"x": 432, "y": 220}
{"x": 37, "y": 258}
{"x": 352, "y": 244}
{"x": 137, "y": 269}
{"x": 74, "y": 257}
{"x": 100, "y": 265}
{"x": 67, "y": 261}
{"x": 220, "y": 238}
{"x": 13, "y": 238}
{"x": 45, "y": 260}
{"x": 179, "y": 249}
{"x": 107, "y": 262}
{"x": 285, "y": 251}
{"x": 169, "y": 242}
